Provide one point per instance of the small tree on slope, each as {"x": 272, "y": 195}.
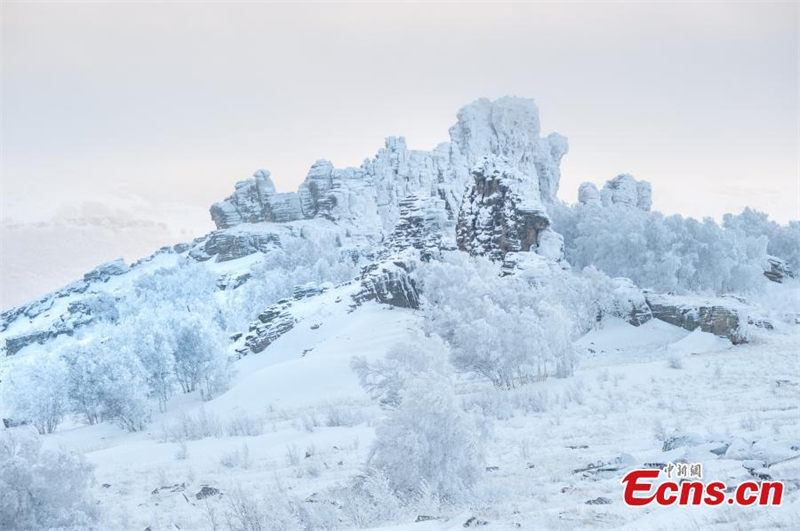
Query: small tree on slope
{"x": 36, "y": 391}
{"x": 429, "y": 442}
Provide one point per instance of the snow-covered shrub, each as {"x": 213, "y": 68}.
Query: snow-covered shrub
{"x": 183, "y": 451}
{"x": 41, "y": 490}
{"x": 201, "y": 360}
{"x": 674, "y": 361}
{"x": 192, "y": 428}
{"x": 35, "y": 390}
{"x": 429, "y": 438}
{"x": 342, "y": 416}
{"x": 371, "y": 500}
{"x": 384, "y": 379}
{"x": 292, "y": 455}
{"x": 259, "y": 511}
{"x": 311, "y": 258}
{"x": 237, "y": 458}
{"x": 242, "y": 424}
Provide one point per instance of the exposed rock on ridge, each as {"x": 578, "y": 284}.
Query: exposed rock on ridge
{"x": 372, "y": 193}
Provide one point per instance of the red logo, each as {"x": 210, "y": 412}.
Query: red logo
{"x": 641, "y": 489}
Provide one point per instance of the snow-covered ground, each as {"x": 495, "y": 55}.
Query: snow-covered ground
{"x": 312, "y": 425}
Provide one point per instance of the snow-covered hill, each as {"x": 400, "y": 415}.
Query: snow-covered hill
{"x": 428, "y": 341}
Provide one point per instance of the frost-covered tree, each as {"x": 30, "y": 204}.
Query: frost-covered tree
{"x": 666, "y": 253}
{"x": 84, "y": 382}
{"x": 150, "y": 338}
{"x": 300, "y": 260}
{"x": 498, "y": 327}
{"x": 201, "y": 361}
{"x": 384, "y": 379}
{"x": 35, "y": 390}
{"x": 41, "y": 490}
{"x": 784, "y": 240}
{"x": 106, "y": 381}
{"x": 429, "y": 442}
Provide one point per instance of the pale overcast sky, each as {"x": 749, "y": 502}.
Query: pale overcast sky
{"x": 174, "y": 102}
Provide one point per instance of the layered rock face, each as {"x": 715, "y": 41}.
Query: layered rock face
{"x": 388, "y": 282}
{"x": 372, "y": 193}
{"x": 778, "y": 269}
{"x": 502, "y": 213}
{"x": 721, "y": 316}
{"x": 421, "y": 226}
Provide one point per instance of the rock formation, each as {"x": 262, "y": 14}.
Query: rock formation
{"x": 502, "y": 213}
{"x": 388, "y": 282}
{"x": 721, "y": 316}
{"x": 621, "y": 190}
{"x": 371, "y": 194}
{"x": 778, "y": 269}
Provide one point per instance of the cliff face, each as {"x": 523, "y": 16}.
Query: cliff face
{"x": 502, "y": 212}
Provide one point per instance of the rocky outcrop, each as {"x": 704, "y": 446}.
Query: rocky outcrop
{"x": 90, "y": 309}
{"x": 721, "y": 316}
{"x": 501, "y": 213}
{"x": 310, "y": 289}
{"x": 510, "y": 127}
{"x": 388, "y": 282}
{"x": 621, "y": 190}
{"x": 371, "y": 194}
{"x": 233, "y": 280}
{"x": 16, "y": 343}
{"x": 421, "y": 226}
{"x": 104, "y": 272}
{"x": 230, "y": 246}
{"x": 271, "y": 324}
{"x": 778, "y": 269}
{"x": 630, "y": 303}
{"x": 625, "y": 190}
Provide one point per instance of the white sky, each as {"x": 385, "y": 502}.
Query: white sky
{"x": 174, "y": 102}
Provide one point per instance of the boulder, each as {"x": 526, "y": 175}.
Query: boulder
{"x": 207, "y": 492}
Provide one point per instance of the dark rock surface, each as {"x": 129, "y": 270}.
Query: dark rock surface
{"x": 388, "y": 282}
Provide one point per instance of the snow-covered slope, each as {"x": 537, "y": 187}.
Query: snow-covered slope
{"x": 312, "y": 426}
